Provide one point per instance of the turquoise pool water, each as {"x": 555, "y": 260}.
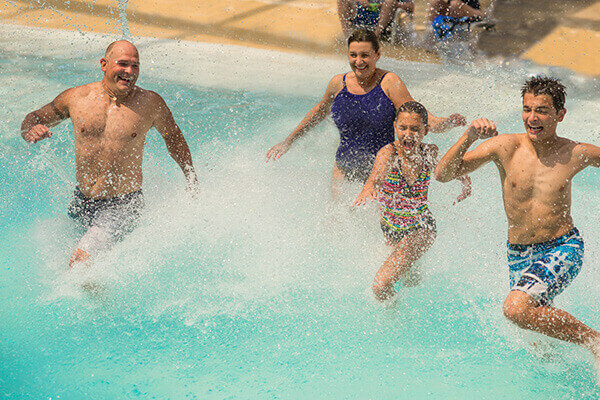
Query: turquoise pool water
{"x": 261, "y": 288}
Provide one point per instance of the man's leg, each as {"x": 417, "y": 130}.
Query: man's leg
{"x": 452, "y": 8}
{"x": 386, "y": 13}
{"x": 78, "y": 257}
{"x": 521, "y": 309}
{"x": 347, "y": 12}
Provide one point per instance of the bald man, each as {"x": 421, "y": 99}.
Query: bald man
{"x": 110, "y": 120}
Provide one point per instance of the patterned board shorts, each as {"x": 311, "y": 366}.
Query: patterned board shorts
{"x": 544, "y": 270}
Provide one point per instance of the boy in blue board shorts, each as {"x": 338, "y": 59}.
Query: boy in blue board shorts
{"x": 545, "y": 250}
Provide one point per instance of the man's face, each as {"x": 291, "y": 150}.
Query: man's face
{"x": 540, "y": 117}
{"x": 121, "y": 68}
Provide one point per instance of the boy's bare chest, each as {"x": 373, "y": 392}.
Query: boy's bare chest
{"x": 532, "y": 178}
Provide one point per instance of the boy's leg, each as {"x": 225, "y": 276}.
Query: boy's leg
{"x": 406, "y": 251}
{"x": 524, "y": 311}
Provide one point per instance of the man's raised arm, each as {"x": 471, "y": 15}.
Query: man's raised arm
{"x": 35, "y": 125}
{"x": 176, "y": 144}
{"x": 457, "y": 162}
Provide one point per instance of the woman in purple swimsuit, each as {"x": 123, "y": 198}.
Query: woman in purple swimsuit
{"x": 363, "y": 105}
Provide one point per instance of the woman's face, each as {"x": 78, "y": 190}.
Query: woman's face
{"x": 362, "y": 58}
{"x": 410, "y": 130}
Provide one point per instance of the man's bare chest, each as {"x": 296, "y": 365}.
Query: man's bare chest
{"x": 120, "y": 122}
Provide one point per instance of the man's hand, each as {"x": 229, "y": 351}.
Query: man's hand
{"x": 37, "y": 133}
{"x": 277, "y": 151}
{"x": 482, "y": 128}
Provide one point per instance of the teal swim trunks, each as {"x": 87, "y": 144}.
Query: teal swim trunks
{"x": 544, "y": 270}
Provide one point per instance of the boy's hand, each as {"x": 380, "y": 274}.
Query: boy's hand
{"x": 36, "y": 133}
{"x": 368, "y": 193}
{"x": 277, "y": 151}
{"x": 482, "y": 128}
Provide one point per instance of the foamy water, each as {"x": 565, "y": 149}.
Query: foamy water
{"x": 260, "y": 288}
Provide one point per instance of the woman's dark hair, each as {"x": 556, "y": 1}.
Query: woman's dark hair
{"x": 364, "y": 35}
{"x": 413, "y": 107}
{"x": 540, "y": 84}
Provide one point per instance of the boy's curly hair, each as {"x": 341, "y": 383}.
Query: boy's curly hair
{"x": 540, "y": 84}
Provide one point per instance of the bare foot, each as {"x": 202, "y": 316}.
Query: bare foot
{"x": 594, "y": 347}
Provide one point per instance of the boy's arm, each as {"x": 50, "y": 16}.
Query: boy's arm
{"x": 380, "y": 168}
{"x": 35, "y": 125}
{"x": 589, "y": 155}
{"x": 457, "y": 162}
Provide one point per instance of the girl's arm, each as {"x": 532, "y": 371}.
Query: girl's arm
{"x": 313, "y": 118}
{"x": 466, "y": 188}
{"x": 380, "y": 168}
{"x": 465, "y": 180}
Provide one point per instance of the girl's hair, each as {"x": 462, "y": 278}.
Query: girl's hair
{"x": 414, "y": 108}
{"x": 364, "y": 35}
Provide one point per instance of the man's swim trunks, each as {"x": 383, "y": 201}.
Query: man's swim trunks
{"x": 365, "y": 17}
{"x": 106, "y": 220}
{"x": 544, "y": 270}
{"x": 445, "y": 27}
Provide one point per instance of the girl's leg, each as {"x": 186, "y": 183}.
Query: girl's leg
{"x": 408, "y": 250}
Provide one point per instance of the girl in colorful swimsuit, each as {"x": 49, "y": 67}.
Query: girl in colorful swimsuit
{"x": 363, "y": 105}
{"x": 400, "y": 179}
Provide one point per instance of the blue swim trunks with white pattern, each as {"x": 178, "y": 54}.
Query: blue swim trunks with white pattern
{"x": 544, "y": 270}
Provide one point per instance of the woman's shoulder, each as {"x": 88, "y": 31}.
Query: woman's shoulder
{"x": 335, "y": 85}
{"x": 338, "y": 79}
{"x": 389, "y": 78}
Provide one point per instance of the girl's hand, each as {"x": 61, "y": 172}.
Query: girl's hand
{"x": 466, "y": 191}
{"x": 277, "y": 151}
{"x": 457, "y": 120}
{"x": 368, "y": 193}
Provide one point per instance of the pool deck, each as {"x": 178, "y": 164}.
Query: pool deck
{"x": 571, "y": 41}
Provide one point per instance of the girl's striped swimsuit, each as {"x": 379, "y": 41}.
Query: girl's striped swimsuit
{"x": 404, "y": 207}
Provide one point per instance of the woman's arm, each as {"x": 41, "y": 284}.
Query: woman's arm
{"x": 313, "y": 118}
{"x": 398, "y": 93}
